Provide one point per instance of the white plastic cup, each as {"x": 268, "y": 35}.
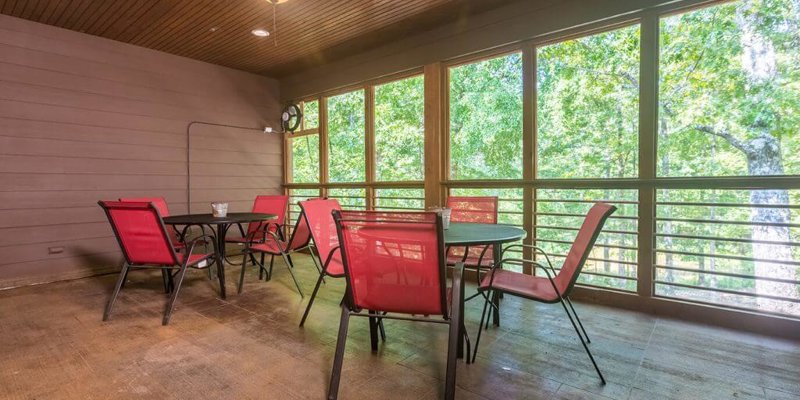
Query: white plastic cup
{"x": 219, "y": 210}
{"x": 445, "y": 213}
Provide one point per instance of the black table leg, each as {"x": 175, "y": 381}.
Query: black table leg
{"x": 222, "y": 229}
{"x": 496, "y": 249}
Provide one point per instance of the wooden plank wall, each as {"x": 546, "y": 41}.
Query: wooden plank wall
{"x": 84, "y": 118}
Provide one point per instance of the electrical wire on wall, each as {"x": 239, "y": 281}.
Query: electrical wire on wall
{"x": 189, "y": 154}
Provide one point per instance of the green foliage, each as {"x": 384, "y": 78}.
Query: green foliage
{"x": 486, "y": 119}
{"x": 311, "y": 115}
{"x": 305, "y": 159}
{"x": 346, "y": 151}
{"x": 400, "y": 130}
{"x": 588, "y": 106}
{"x": 707, "y": 78}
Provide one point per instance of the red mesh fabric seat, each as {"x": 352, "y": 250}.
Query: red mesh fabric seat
{"x": 319, "y": 218}
{"x": 520, "y": 285}
{"x": 555, "y": 286}
{"x": 478, "y": 210}
{"x": 145, "y": 243}
{"x": 394, "y": 264}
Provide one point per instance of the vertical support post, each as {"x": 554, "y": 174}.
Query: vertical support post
{"x": 648, "y": 134}
{"x": 369, "y": 145}
{"x": 323, "y": 146}
{"x": 287, "y": 161}
{"x": 433, "y": 135}
{"x": 528, "y": 147}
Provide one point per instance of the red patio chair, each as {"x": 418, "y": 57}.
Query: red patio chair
{"x": 257, "y": 231}
{"x": 317, "y": 213}
{"x": 557, "y": 286}
{"x": 394, "y": 264}
{"x": 275, "y": 245}
{"x": 480, "y": 210}
{"x": 163, "y": 210}
{"x": 145, "y": 243}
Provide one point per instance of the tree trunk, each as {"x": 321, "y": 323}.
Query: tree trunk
{"x": 764, "y": 158}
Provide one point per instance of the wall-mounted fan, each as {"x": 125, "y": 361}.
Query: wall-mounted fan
{"x": 291, "y": 117}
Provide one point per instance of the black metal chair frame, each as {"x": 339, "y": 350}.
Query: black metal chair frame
{"x": 285, "y": 253}
{"x": 563, "y": 298}
{"x": 169, "y": 277}
{"x": 455, "y": 320}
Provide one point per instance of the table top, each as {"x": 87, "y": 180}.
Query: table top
{"x": 208, "y": 219}
{"x": 467, "y": 234}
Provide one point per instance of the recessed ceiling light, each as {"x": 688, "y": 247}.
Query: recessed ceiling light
{"x": 260, "y": 32}
{"x": 213, "y": 29}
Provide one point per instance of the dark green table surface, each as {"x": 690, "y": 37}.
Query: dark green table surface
{"x": 465, "y": 234}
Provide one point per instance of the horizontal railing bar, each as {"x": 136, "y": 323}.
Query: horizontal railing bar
{"x": 721, "y": 305}
{"x": 612, "y": 246}
{"x": 738, "y": 205}
{"x": 695, "y": 182}
{"x": 397, "y": 208}
{"x": 727, "y": 257}
{"x": 727, "y": 222}
{"x": 538, "y": 200}
{"x": 356, "y": 185}
{"x": 734, "y": 292}
{"x": 627, "y": 278}
{"x": 332, "y": 196}
{"x": 563, "y": 228}
{"x": 724, "y": 239}
{"x": 510, "y": 212}
{"x": 398, "y": 198}
{"x": 629, "y": 263}
{"x": 547, "y": 214}
{"x": 729, "y": 274}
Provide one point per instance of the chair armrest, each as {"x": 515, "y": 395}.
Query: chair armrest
{"x": 536, "y": 249}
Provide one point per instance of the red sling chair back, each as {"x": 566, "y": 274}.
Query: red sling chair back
{"x": 555, "y": 286}
{"x": 474, "y": 209}
{"x": 394, "y": 263}
{"x": 273, "y": 204}
{"x": 319, "y": 219}
{"x": 145, "y": 243}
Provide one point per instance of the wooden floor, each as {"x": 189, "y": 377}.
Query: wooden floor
{"x": 53, "y": 345}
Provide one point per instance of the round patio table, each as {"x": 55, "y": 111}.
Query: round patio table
{"x": 471, "y": 234}
{"x": 222, "y": 225}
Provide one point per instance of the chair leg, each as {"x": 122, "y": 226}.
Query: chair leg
{"x": 454, "y": 340}
{"x": 585, "y": 347}
{"x": 311, "y": 301}
{"x": 585, "y": 335}
{"x": 261, "y": 268}
{"x": 373, "y": 331}
{"x": 480, "y": 326}
{"x": 125, "y": 279}
{"x": 171, "y": 305}
{"x": 271, "y": 263}
{"x": 164, "y": 278}
{"x": 289, "y": 264}
{"x": 338, "y": 358}
{"x": 122, "y": 274}
{"x": 241, "y": 276}
{"x": 381, "y": 329}
{"x": 315, "y": 259}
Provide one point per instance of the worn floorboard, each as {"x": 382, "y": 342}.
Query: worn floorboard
{"x": 54, "y": 345}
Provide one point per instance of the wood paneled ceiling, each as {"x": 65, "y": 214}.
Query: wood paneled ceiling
{"x": 309, "y": 32}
